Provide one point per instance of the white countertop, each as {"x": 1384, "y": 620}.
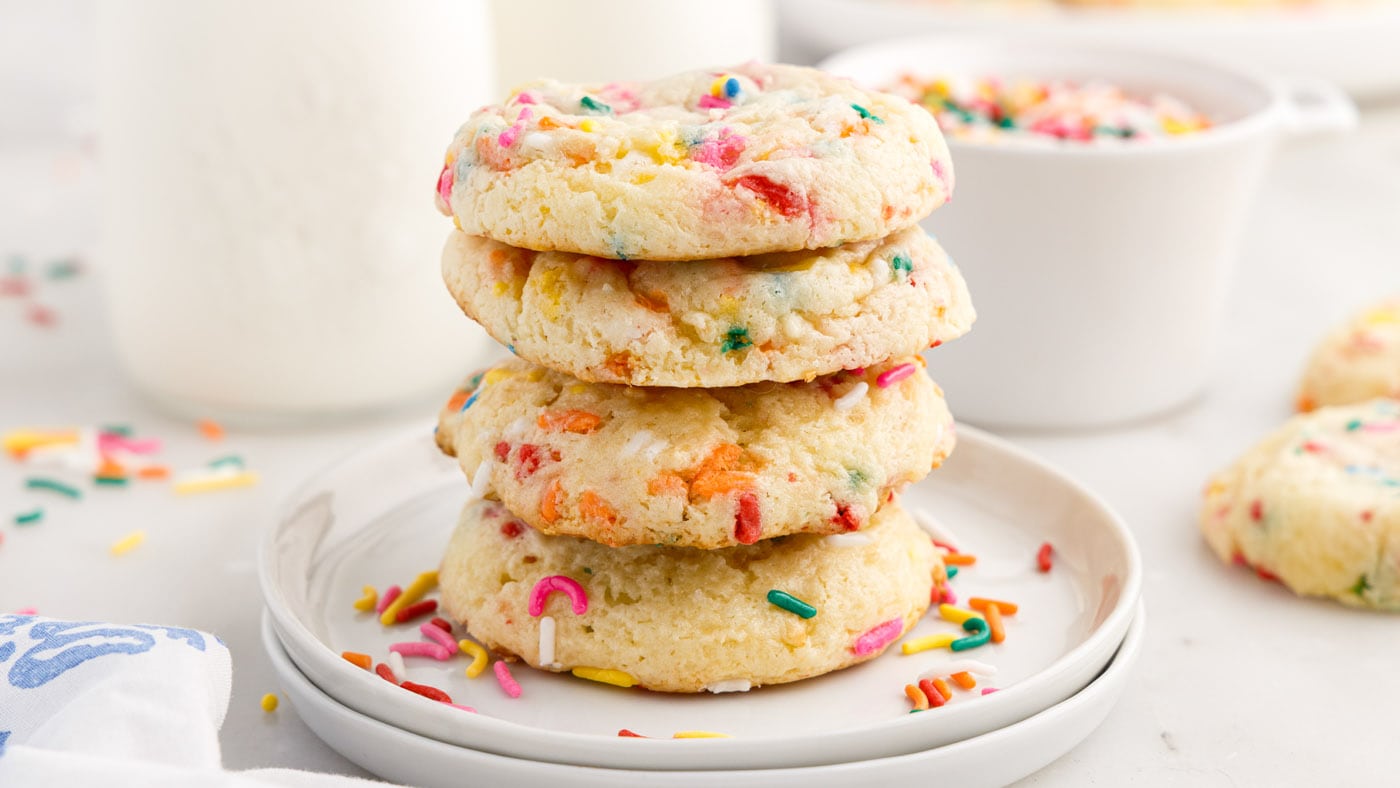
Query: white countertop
{"x": 1240, "y": 682}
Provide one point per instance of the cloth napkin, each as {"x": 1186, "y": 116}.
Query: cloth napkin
{"x": 89, "y": 703}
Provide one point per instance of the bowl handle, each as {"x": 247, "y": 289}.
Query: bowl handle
{"x": 1314, "y": 106}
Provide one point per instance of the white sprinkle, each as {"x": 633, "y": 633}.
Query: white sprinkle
{"x": 853, "y": 539}
{"x": 959, "y": 666}
{"x": 200, "y": 475}
{"x": 729, "y": 685}
{"x": 655, "y": 449}
{"x": 516, "y": 429}
{"x": 396, "y": 666}
{"x": 853, "y": 397}
{"x": 639, "y": 439}
{"x": 536, "y": 142}
{"x": 547, "y": 642}
{"x": 928, "y": 523}
{"x": 481, "y": 480}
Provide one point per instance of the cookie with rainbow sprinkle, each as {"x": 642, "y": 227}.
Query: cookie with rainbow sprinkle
{"x": 1316, "y": 505}
{"x": 674, "y": 619}
{"x": 702, "y": 468}
{"x": 1357, "y": 361}
{"x": 703, "y": 164}
{"x": 725, "y": 322}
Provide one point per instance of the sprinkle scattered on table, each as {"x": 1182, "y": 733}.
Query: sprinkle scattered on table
{"x": 269, "y": 702}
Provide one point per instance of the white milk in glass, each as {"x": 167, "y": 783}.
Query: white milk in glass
{"x": 270, "y": 244}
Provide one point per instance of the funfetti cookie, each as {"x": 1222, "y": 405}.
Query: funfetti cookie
{"x": 679, "y": 620}
{"x": 727, "y": 322}
{"x": 1357, "y": 361}
{"x": 1316, "y": 505}
{"x": 704, "y": 164}
{"x": 701, "y": 468}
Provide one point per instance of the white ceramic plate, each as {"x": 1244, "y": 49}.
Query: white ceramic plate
{"x": 384, "y": 515}
{"x": 1353, "y": 47}
{"x": 995, "y": 758}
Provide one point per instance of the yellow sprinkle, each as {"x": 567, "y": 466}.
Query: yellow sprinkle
{"x": 500, "y": 288}
{"x": 367, "y": 602}
{"x": 1177, "y": 126}
{"x": 23, "y": 440}
{"x": 614, "y": 677}
{"x": 927, "y": 642}
{"x": 957, "y": 615}
{"x": 128, "y": 543}
{"x": 717, "y": 87}
{"x": 214, "y": 482}
{"x": 578, "y": 388}
{"x": 1378, "y": 317}
{"x": 479, "y": 658}
{"x": 421, "y": 585}
{"x": 496, "y": 376}
{"x": 269, "y": 703}
{"x": 587, "y": 124}
{"x": 456, "y": 222}
{"x": 700, "y": 735}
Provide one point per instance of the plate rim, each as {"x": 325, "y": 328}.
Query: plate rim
{"x": 290, "y": 626}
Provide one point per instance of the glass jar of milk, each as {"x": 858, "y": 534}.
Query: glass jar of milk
{"x": 269, "y": 239}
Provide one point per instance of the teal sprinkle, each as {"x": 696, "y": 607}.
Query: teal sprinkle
{"x": 736, "y": 338}
{"x": 110, "y": 481}
{"x": 123, "y": 430}
{"x": 1353, "y": 425}
{"x": 1362, "y": 586}
{"x": 29, "y": 518}
{"x": 731, "y": 88}
{"x": 476, "y": 380}
{"x": 856, "y": 478}
{"x": 901, "y": 263}
{"x": 17, "y": 264}
{"x": 511, "y": 348}
{"x": 979, "y": 637}
{"x": 618, "y": 249}
{"x": 594, "y": 105}
{"x": 791, "y": 603}
{"x": 952, "y": 572}
{"x": 54, "y": 486}
{"x": 1007, "y": 123}
{"x": 867, "y": 114}
{"x": 232, "y": 459}
{"x": 62, "y": 269}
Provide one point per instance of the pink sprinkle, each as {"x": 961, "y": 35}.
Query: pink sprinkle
{"x": 14, "y": 286}
{"x": 27, "y": 611}
{"x": 507, "y": 137}
{"x": 714, "y": 102}
{"x": 437, "y": 652}
{"x": 390, "y": 594}
{"x": 473, "y": 711}
{"x": 41, "y": 316}
{"x": 445, "y": 185}
{"x": 721, "y": 153}
{"x": 107, "y": 442}
{"x": 857, "y": 371}
{"x": 1389, "y": 426}
{"x": 878, "y": 637}
{"x": 506, "y": 680}
{"x": 892, "y": 376}
{"x": 526, "y": 98}
{"x": 989, "y": 690}
{"x": 566, "y": 585}
{"x": 945, "y": 546}
{"x": 434, "y": 633}
{"x": 950, "y": 597}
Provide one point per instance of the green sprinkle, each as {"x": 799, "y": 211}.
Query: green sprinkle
{"x": 979, "y": 637}
{"x": 952, "y": 572}
{"x": 865, "y": 113}
{"x": 475, "y": 381}
{"x": 17, "y": 264}
{"x": 123, "y": 430}
{"x": 594, "y": 105}
{"x": 1353, "y": 425}
{"x": 1007, "y": 122}
{"x": 791, "y": 603}
{"x": 736, "y": 338}
{"x": 230, "y": 460}
{"x": 856, "y": 478}
{"x": 901, "y": 263}
{"x": 54, "y": 486}
{"x": 62, "y": 269}
{"x": 110, "y": 481}
{"x": 29, "y": 518}
{"x": 1362, "y": 586}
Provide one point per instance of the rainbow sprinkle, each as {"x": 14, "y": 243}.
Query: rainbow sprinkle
{"x": 791, "y": 604}
{"x": 616, "y": 678}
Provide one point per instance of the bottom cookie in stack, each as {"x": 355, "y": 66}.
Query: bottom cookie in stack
{"x": 678, "y": 619}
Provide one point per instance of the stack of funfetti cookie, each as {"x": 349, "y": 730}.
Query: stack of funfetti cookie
{"x": 717, "y": 290}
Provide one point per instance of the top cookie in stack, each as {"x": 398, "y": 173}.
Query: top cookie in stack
{"x": 768, "y": 215}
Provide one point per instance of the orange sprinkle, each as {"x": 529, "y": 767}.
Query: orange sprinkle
{"x": 458, "y": 400}
{"x": 580, "y": 422}
{"x": 964, "y": 679}
{"x": 982, "y": 603}
{"x": 154, "y": 472}
{"x": 994, "y": 623}
{"x": 942, "y": 687}
{"x": 549, "y": 502}
{"x": 721, "y": 482}
{"x": 110, "y": 470}
{"x": 211, "y": 430}
{"x": 357, "y": 659}
{"x": 1306, "y": 404}
{"x": 666, "y": 483}
{"x": 654, "y": 301}
{"x": 592, "y": 506}
{"x": 916, "y": 696}
{"x": 959, "y": 559}
{"x": 546, "y": 123}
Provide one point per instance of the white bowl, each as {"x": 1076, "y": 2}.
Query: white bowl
{"x": 385, "y": 514}
{"x": 992, "y": 759}
{"x": 1099, "y": 271}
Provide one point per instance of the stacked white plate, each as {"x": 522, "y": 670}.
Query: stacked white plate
{"x": 384, "y": 515}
